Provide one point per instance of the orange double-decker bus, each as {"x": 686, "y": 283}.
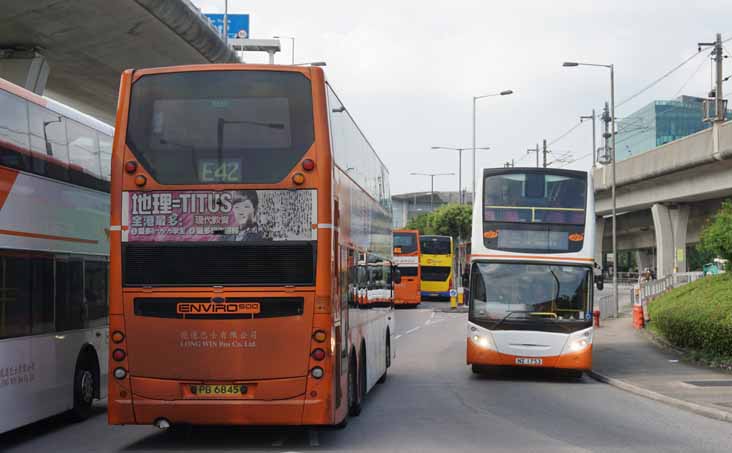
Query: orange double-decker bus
{"x": 248, "y": 215}
{"x": 406, "y": 256}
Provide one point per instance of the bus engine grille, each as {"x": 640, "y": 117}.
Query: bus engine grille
{"x": 225, "y": 264}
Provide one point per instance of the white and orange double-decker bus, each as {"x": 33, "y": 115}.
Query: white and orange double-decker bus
{"x": 406, "y": 255}
{"x": 54, "y": 215}
{"x": 248, "y": 215}
{"x": 531, "y": 278}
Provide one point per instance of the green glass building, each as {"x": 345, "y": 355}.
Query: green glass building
{"x": 658, "y": 123}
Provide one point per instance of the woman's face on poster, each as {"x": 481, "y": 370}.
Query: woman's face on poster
{"x": 244, "y": 212}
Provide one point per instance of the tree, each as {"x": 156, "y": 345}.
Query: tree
{"x": 453, "y": 220}
{"x": 716, "y": 237}
{"x": 422, "y": 222}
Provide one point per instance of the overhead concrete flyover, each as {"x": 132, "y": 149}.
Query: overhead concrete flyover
{"x": 664, "y": 196}
{"x": 75, "y": 50}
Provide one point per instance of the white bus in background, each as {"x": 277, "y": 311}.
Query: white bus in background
{"x": 531, "y": 278}
{"x": 54, "y": 211}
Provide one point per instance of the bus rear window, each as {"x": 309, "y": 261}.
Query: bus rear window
{"x": 214, "y": 127}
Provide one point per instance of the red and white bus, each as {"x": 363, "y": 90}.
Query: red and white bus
{"x": 54, "y": 211}
{"x": 249, "y": 215}
{"x": 532, "y": 262}
{"x": 406, "y": 256}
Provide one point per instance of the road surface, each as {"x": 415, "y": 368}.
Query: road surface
{"x": 431, "y": 402}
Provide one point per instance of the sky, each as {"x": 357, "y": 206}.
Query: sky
{"x": 408, "y": 70}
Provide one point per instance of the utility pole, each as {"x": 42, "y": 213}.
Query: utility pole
{"x": 606, "y": 135}
{"x": 719, "y": 107}
{"x": 534, "y": 150}
{"x": 545, "y": 151}
{"x": 594, "y": 144}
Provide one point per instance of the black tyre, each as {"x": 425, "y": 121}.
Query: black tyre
{"x": 382, "y": 379}
{"x": 85, "y": 387}
{"x": 476, "y": 369}
{"x": 573, "y": 375}
{"x": 354, "y": 393}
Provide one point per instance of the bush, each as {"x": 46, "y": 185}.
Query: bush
{"x": 697, "y": 316}
{"x": 716, "y": 237}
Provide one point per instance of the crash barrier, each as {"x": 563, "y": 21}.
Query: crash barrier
{"x": 643, "y": 293}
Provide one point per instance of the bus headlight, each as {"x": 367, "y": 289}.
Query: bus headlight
{"x": 483, "y": 341}
{"x": 578, "y": 341}
{"x": 578, "y": 345}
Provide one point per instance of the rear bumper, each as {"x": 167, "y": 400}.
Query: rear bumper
{"x": 581, "y": 360}
{"x": 274, "y": 402}
{"x": 427, "y": 294}
{"x": 214, "y": 412}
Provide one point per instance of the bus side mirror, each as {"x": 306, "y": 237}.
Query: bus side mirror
{"x": 396, "y": 275}
{"x": 599, "y": 282}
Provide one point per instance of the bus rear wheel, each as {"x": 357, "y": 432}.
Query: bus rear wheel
{"x": 354, "y": 394}
{"x": 387, "y": 351}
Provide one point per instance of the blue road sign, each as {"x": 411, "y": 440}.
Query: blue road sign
{"x": 238, "y": 26}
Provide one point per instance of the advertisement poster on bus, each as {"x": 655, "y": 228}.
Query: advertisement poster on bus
{"x": 229, "y": 215}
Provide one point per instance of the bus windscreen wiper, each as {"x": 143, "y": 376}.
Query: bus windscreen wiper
{"x": 507, "y": 316}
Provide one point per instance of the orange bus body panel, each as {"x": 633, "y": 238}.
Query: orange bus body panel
{"x": 581, "y": 360}
{"x": 407, "y": 293}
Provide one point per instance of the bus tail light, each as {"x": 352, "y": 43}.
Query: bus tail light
{"x": 118, "y": 336}
{"x": 119, "y": 355}
{"x": 318, "y": 354}
{"x": 308, "y": 165}
{"x": 140, "y": 180}
{"x": 120, "y": 373}
{"x": 298, "y": 178}
{"x": 317, "y": 372}
{"x": 319, "y": 336}
{"x": 131, "y": 167}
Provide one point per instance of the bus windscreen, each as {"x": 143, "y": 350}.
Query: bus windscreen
{"x": 432, "y": 245}
{"x": 530, "y": 292}
{"x": 214, "y": 127}
{"x": 405, "y": 243}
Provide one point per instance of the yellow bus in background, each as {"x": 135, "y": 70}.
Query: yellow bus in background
{"x": 436, "y": 266}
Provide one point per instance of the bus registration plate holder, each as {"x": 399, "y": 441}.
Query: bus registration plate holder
{"x": 219, "y": 390}
{"x": 531, "y": 361}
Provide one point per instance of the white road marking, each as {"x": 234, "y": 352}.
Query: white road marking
{"x": 314, "y": 441}
{"x": 411, "y": 330}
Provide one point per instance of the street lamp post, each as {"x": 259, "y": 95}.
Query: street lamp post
{"x": 612, "y": 119}
{"x": 475, "y": 99}
{"x": 460, "y": 166}
{"x": 291, "y": 38}
{"x": 432, "y": 184}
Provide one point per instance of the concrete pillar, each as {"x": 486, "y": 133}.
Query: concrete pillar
{"x": 25, "y": 68}
{"x": 643, "y": 259}
{"x": 679, "y": 220}
{"x": 664, "y": 240}
{"x": 599, "y": 233}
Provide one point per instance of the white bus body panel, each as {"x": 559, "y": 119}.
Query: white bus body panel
{"x": 37, "y": 372}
